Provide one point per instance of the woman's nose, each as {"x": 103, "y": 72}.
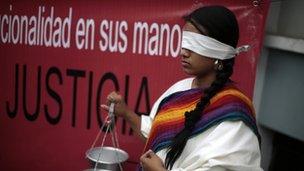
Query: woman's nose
{"x": 184, "y": 53}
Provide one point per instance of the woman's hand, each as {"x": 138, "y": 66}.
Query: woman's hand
{"x": 151, "y": 162}
{"x": 122, "y": 110}
{"x": 121, "y": 107}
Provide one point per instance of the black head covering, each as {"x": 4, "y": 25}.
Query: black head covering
{"x": 220, "y": 23}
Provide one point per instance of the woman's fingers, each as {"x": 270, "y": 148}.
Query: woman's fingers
{"x": 143, "y": 159}
{"x": 110, "y": 98}
{"x": 148, "y": 154}
{"x": 105, "y": 107}
{"x": 150, "y": 161}
{"x": 114, "y": 97}
{"x": 120, "y": 108}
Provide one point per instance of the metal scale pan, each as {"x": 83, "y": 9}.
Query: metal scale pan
{"x": 105, "y": 158}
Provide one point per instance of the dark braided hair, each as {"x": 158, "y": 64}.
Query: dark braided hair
{"x": 220, "y": 24}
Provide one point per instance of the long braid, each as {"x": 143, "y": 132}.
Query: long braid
{"x": 192, "y": 117}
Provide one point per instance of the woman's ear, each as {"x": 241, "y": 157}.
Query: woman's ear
{"x": 218, "y": 65}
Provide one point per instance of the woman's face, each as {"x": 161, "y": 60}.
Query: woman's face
{"x": 193, "y": 63}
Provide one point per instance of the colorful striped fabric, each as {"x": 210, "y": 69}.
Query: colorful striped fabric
{"x": 228, "y": 104}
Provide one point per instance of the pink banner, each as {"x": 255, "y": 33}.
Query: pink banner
{"x": 59, "y": 60}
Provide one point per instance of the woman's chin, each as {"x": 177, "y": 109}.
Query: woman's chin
{"x": 188, "y": 71}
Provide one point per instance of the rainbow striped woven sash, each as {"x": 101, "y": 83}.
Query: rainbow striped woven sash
{"x": 228, "y": 104}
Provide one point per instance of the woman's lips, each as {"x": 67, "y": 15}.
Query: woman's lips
{"x": 185, "y": 64}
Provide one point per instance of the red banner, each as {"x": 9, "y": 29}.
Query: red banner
{"x": 59, "y": 60}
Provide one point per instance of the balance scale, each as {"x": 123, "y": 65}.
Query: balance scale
{"x": 106, "y": 158}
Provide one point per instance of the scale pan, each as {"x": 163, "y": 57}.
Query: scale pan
{"x": 108, "y": 155}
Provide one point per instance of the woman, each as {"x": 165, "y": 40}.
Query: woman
{"x": 203, "y": 122}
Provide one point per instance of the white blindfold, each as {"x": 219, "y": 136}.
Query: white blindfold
{"x": 209, "y": 47}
